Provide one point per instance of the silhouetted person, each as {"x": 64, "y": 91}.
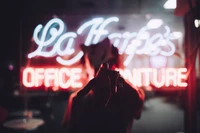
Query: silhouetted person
{"x": 107, "y": 104}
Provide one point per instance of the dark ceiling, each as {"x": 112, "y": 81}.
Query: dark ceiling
{"x": 59, "y": 6}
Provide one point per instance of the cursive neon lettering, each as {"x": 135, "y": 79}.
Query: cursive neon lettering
{"x": 52, "y": 36}
{"x": 54, "y": 33}
{"x": 146, "y": 75}
{"x": 64, "y": 73}
{"x": 67, "y": 50}
{"x": 94, "y": 23}
{"x": 101, "y": 31}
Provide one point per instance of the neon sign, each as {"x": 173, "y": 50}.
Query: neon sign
{"x": 52, "y": 77}
{"x": 55, "y": 40}
{"x": 53, "y": 36}
{"x": 66, "y": 78}
{"x": 158, "y": 77}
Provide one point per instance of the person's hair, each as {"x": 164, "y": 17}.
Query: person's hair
{"x": 111, "y": 56}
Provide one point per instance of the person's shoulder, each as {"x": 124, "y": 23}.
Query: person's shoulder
{"x": 134, "y": 90}
{"x": 84, "y": 91}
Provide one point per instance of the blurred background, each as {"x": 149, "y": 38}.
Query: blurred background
{"x": 140, "y": 29}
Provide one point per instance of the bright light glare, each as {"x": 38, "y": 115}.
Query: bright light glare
{"x": 154, "y": 23}
{"x": 170, "y": 4}
{"x": 197, "y": 23}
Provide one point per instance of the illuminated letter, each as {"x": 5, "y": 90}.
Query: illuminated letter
{"x": 171, "y": 75}
{"x": 67, "y": 49}
{"x": 130, "y": 51}
{"x": 28, "y": 77}
{"x": 158, "y": 78}
{"x": 42, "y": 42}
{"x": 50, "y": 76}
{"x": 127, "y": 36}
{"x": 139, "y": 78}
{"x": 154, "y": 23}
{"x": 169, "y": 43}
{"x": 70, "y": 61}
{"x": 51, "y": 38}
{"x": 146, "y": 77}
{"x": 152, "y": 46}
{"x": 101, "y": 30}
{"x": 94, "y": 23}
{"x": 75, "y": 75}
{"x": 182, "y": 77}
{"x": 62, "y": 78}
{"x": 39, "y": 76}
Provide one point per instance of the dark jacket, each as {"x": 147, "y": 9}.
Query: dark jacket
{"x": 95, "y": 110}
